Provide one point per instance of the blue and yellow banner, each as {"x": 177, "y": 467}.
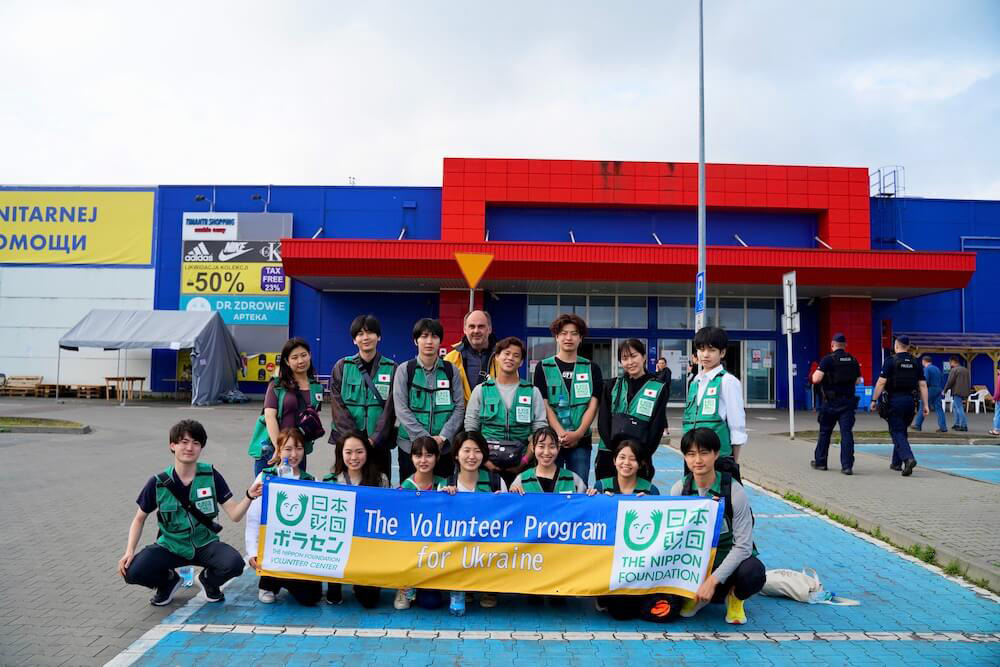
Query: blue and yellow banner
{"x": 76, "y": 227}
{"x": 555, "y": 544}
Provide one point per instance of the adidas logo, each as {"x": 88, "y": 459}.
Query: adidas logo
{"x": 199, "y": 253}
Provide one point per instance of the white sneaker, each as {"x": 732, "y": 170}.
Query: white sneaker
{"x": 267, "y": 597}
{"x": 402, "y": 600}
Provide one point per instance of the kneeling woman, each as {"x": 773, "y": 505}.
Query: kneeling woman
{"x": 290, "y": 449}
{"x": 424, "y": 453}
{"x": 628, "y": 480}
{"x": 355, "y": 466}
{"x": 470, "y": 477}
{"x": 739, "y": 574}
{"x": 546, "y": 477}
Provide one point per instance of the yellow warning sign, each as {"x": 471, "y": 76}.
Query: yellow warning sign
{"x": 473, "y": 266}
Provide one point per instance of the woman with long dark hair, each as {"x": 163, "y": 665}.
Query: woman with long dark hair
{"x": 289, "y": 393}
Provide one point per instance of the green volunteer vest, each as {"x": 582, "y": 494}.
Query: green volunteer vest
{"x": 641, "y": 405}
{"x": 583, "y": 388}
{"x": 482, "y": 484}
{"x": 496, "y": 422}
{"x": 564, "y": 481}
{"x": 411, "y": 486}
{"x": 260, "y": 435}
{"x": 362, "y": 403}
{"x": 641, "y": 485}
{"x": 726, "y": 532}
{"x": 705, "y": 413}
{"x": 431, "y": 406}
{"x": 181, "y": 533}
{"x": 303, "y": 475}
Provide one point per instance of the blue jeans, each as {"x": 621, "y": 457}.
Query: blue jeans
{"x": 576, "y": 459}
{"x": 958, "y": 405}
{"x": 996, "y": 418}
{"x": 900, "y": 415}
{"x": 836, "y": 411}
{"x": 934, "y": 399}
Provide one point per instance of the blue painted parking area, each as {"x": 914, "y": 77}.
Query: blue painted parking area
{"x": 980, "y": 462}
{"x": 908, "y": 615}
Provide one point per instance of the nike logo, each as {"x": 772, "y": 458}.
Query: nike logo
{"x": 232, "y": 249}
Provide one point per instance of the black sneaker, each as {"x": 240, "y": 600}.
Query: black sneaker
{"x": 908, "y": 466}
{"x": 212, "y": 593}
{"x": 847, "y": 471}
{"x": 815, "y": 466}
{"x": 942, "y": 430}
{"x": 897, "y": 468}
{"x": 334, "y": 593}
{"x": 163, "y": 595}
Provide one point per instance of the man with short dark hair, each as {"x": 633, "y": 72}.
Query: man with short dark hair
{"x": 428, "y": 400}
{"x": 186, "y": 498}
{"x": 571, "y": 386}
{"x": 473, "y": 356}
{"x": 360, "y": 386}
{"x": 902, "y": 379}
{"x": 960, "y": 384}
{"x": 837, "y": 374}
{"x": 935, "y": 389}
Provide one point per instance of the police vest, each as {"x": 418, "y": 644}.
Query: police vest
{"x": 611, "y": 484}
{"x": 496, "y": 422}
{"x": 564, "y": 481}
{"x": 488, "y": 481}
{"x": 181, "y": 533}
{"x": 364, "y": 405}
{"x": 722, "y": 487}
{"x": 410, "y": 485}
{"x": 843, "y": 376}
{"x": 577, "y": 400}
{"x": 906, "y": 373}
{"x": 705, "y": 413}
{"x": 631, "y": 418}
{"x": 303, "y": 475}
{"x": 430, "y": 405}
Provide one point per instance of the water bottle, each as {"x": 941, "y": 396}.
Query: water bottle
{"x": 285, "y": 470}
{"x": 187, "y": 575}
{"x": 818, "y": 597}
{"x": 562, "y": 411}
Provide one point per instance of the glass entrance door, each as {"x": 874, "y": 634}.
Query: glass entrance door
{"x": 758, "y": 372}
{"x": 598, "y": 350}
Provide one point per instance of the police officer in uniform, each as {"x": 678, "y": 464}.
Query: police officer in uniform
{"x": 837, "y": 374}
{"x": 901, "y": 379}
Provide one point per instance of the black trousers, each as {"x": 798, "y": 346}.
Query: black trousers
{"x": 151, "y": 567}
{"x": 655, "y": 608}
{"x": 382, "y": 458}
{"x": 367, "y": 596}
{"x": 604, "y": 467}
{"x": 745, "y": 581}
{"x": 306, "y": 593}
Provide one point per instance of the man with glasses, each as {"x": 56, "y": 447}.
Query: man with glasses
{"x": 473, "y": 356}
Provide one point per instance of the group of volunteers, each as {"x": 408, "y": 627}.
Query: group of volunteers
{"x": 467, "y": 422}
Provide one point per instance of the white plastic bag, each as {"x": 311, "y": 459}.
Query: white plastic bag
{"x": 803, "y": 586}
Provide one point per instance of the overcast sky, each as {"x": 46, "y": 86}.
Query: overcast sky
{"x": 317, "y": 92}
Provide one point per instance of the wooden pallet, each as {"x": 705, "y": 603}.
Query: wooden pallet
{"x": 88, "y": 390}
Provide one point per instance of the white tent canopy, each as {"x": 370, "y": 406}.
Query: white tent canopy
{"x": 215, "y": 361}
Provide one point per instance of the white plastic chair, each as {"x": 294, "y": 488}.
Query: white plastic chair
{"x": 977, "y": 399}
{"x": 946, "y": 401}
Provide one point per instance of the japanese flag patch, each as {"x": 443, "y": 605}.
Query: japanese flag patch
{"x": 442, "y": 384}
{"x": 711, "y": 391}
{"x": 651, "y": 393}
{"x": 524, "y": 399}
{"x": 205, "y": 492}
{"x": 319, "y": 397}
{"x": 383, "y": 377}
{"x": 582, "y": 377}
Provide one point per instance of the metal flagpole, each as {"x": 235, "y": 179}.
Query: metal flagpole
{"x": 58, "y": 364}
{"x": 700, "y": 279}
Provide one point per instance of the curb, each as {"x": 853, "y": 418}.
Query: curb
{"x": 973, "y": 569}
{"x": 45, "y": 429}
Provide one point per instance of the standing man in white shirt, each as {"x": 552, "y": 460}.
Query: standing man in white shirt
{"x": 715, "y": 399}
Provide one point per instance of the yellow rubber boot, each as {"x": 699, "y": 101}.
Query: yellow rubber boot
{"x": 735, "y": 613}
